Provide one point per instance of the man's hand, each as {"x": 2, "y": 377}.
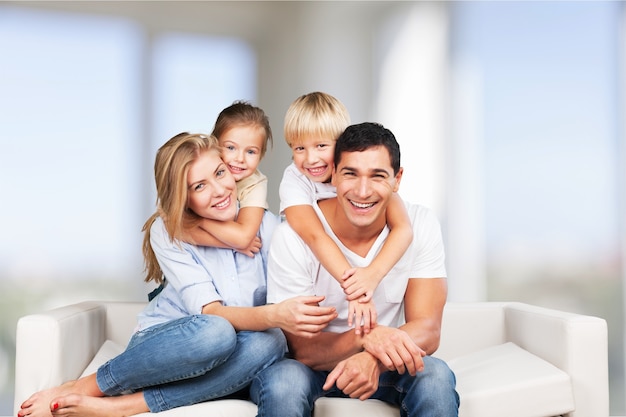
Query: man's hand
{"x": 395, "y": 349}
{"x": 302, "y": 316}
{"x": 356, "y": 376}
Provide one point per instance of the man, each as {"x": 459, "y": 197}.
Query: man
{"x": 391, "y": 362}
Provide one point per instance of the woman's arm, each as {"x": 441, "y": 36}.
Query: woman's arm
{"x": 301, "y": 316}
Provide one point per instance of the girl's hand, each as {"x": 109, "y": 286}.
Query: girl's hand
{"x": 253, "y": 248}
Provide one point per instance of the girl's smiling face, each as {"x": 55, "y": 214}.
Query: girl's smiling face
{"x": 211, "y": 188}
{"x": 242, "y": 148}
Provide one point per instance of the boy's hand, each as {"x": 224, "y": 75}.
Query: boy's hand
{"x": 363, "y": 315}
{"x": 359, "y": 284}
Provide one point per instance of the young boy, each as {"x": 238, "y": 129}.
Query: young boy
{"x": 312, "y": 124}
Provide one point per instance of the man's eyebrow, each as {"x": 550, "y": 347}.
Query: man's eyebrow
{"x": 370, "y": 170}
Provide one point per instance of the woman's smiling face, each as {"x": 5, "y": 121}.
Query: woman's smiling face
{"x": 211, "y": 188}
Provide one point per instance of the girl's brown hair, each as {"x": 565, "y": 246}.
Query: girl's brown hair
{"x": 242, "y": 113}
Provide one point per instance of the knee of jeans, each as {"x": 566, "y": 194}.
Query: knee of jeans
{"x": 215, "y": 334}
{"x": 287, "y": 375}
{"x": 439, "y": 370}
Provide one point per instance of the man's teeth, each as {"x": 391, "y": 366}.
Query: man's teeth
{"x": 362, "y": 205}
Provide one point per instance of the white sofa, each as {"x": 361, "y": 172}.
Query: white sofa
{"x": 510, "y": 359}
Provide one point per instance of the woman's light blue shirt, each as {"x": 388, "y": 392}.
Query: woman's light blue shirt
{"x": 199, "y": 275}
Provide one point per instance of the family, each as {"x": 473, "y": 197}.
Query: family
{"x": 346, "y": 300}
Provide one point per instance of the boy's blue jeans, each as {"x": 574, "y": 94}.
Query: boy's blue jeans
{"x": 289, "y": 389}
{"x": 190, "y": 360}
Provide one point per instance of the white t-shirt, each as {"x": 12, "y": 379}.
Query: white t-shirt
{"x": 296, "y": 189}
{"x": 293, "y": 269}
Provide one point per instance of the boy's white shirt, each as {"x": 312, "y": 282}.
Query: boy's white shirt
{"x": 297, "y": 189}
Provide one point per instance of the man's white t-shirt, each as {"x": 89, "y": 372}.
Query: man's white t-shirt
{"x": 296, "y": 189}
{"x": 293, "y": 269}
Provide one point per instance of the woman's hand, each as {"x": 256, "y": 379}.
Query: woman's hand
{"x": 302, "y": 316}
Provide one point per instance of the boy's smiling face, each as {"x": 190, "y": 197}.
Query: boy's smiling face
{"x": 313, "y": 156}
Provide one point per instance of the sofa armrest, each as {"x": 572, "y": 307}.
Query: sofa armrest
{"x": 56, "y": 346}
{"x": 575, "y": 343}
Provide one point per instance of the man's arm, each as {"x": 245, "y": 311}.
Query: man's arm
{"x": 396, "y": 349}
{"x": 424, "y": 301}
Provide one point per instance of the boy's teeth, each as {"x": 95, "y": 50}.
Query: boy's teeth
{"x": 362, "y": 205}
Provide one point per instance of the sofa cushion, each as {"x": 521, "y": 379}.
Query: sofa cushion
{"x": 507, "y": 380}
{"x": 108, "y": 350}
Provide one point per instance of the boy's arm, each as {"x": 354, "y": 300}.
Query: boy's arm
{"x": 400, "y": 237}
{"x": 304, "y": 221}
{"x": 238, "y": 234}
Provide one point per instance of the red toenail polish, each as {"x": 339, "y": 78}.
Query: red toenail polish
{"x": 55, "y": 406}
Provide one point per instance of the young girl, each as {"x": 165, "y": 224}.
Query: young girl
{"x": 313, "y": 123}
{"x": 243, "y": 132}
{"x": 208, "y": 333}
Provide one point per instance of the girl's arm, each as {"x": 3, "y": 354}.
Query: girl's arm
{"x": 238, "y": 234}
{"x": 400, "y": 237}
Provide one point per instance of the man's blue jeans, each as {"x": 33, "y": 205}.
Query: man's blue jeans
{"x": 289, "y": 389}
{"x": 190, "y": 360}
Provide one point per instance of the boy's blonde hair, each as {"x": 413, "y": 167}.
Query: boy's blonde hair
{"x": 315, "y": 114}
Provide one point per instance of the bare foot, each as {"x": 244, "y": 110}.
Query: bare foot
{"x": 86, "y": 406}
{"x": 40, "y": 403}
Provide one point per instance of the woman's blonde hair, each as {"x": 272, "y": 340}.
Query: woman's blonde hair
{"x": 315, "y": 114}
{"x": 171, "y": 166}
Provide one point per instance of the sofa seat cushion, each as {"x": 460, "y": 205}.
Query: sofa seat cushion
{"x": 324, "y": 407}
{"x": 108, "y": 350}
{"x": 507, "y": 380}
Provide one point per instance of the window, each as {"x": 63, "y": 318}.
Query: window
{"x": 79, "y": 128}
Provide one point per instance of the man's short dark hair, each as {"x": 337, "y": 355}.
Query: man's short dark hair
{"x": 362, "y": 136}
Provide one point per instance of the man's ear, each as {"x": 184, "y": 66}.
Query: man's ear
{"x": 398, "y": 178}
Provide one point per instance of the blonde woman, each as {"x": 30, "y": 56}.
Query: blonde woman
{"x": 208, "y": 332}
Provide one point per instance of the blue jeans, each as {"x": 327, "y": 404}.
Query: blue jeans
{"x": 289, "y": 389}
{"x": 190, "y": 360}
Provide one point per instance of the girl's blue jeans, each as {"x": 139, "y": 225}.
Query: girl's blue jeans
{"x": 289, "y": 389}
{"x": 190, "y": 360}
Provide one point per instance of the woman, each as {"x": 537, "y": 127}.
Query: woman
{"x": 208, "y": 332}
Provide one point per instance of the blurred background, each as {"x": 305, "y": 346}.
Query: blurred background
{"x": 510, "y": 117}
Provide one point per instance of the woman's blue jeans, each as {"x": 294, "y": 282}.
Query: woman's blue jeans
{"x": 289, "y": 388}
{"x": 190, "y": 360}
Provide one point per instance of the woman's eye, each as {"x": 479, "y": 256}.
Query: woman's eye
{"x": 220, "y": 172}
{"x": 198, "y": 187}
